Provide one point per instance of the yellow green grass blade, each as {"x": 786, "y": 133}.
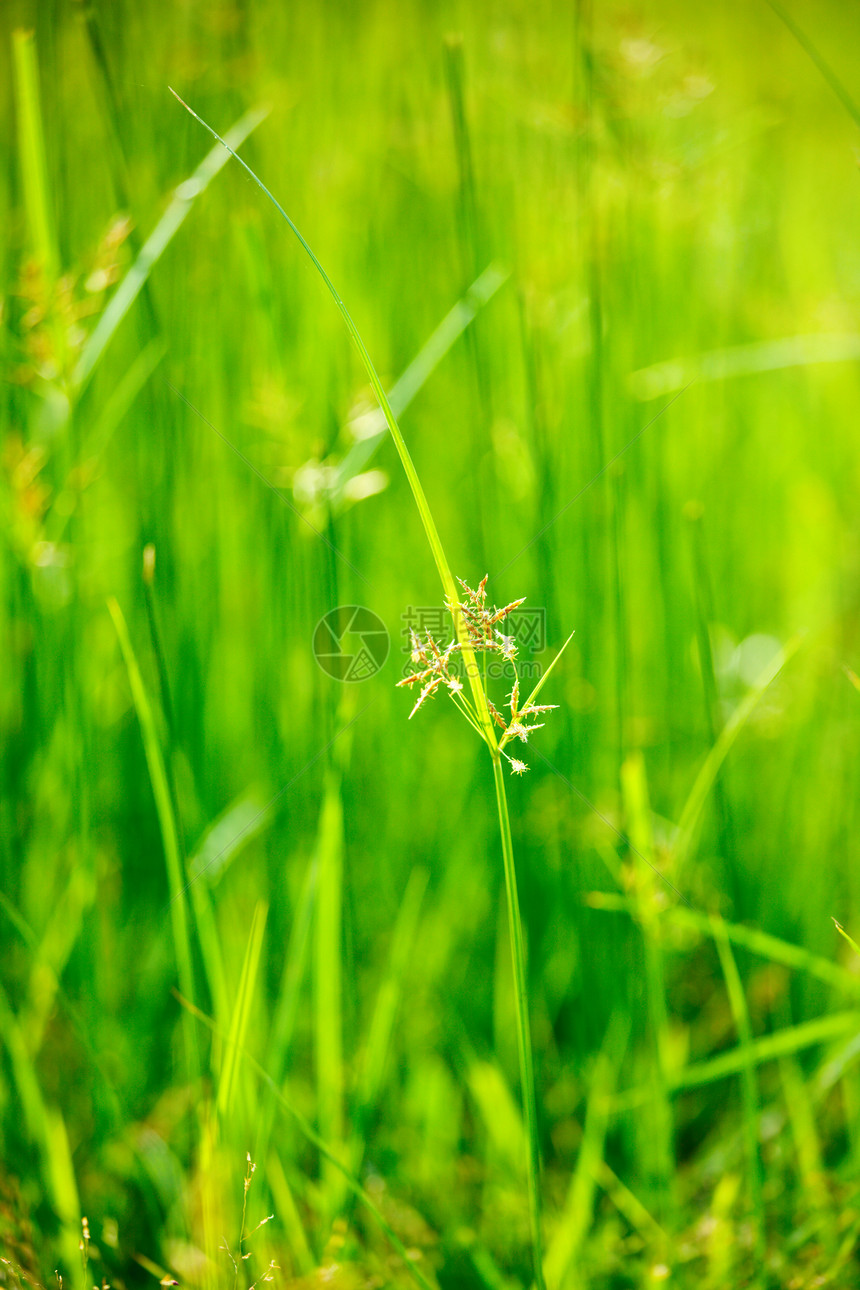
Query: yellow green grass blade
{"x": 715, "y": 758}
{"x": 637, "y": 810}
{"x": 287, "y": 1005}
{"x": 575, "y": 1219}
{"x": 371, "y": 428}
{"x": 842, "y": 932}
{"x": 52, "y": 954}
{"x": 47, "y": 1130}
{"x": 749, "y": 1086}
{"x": 241, "y": 1011}
{"x": 500, "y": 1113}
{"x": 288, "y": 1213}
{"x": 108, "y": 419}
{"x": 38, "y": 950}
{"x": 167, "y": 824}
{"x": 322, "y": 1147}
{"x": 767, "y": 1048}
{"x": 154, "y": 247}
{"x": 541, "y": 683}
{"x": 225, "y": 838}
{"x": 751, "y": 938}
{"x": 328, "y": 982}
{"x": 376, "y": 1053}
{"x": 745, "y": 360}
{"x": 31, "y": 152}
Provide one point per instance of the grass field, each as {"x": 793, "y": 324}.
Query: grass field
{"x": 605, "y": 259}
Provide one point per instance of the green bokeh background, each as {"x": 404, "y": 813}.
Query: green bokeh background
{"x": 661, "y": 182}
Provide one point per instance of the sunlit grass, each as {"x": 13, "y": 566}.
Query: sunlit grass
{"x": 546, "y": 231}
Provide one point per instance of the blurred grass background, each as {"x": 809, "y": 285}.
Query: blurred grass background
{"x": 660, "y": 184}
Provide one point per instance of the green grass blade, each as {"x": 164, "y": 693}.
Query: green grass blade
{"x": 288, "y": 1213}
{"x": 767, "y": 1048}
{"x": 524, "y": 1041}
{"x": 171, "y": 221}
{"x": 576, "y": 1216}
{"x": 779, "y": 355}
{"x": 47, "y": 1131}
{"x": 287, "y": 1002}
{"x": 166, "y": 821}
{"x": 820, "y": 62}
{"x": 842, "y": 932}
{"x": 715, "y": 758}
{"x": 295, "y": 964}
{"x": 323, "y": 1148}
{"x": 226, "y": 838}
{"x": 449, "y": 586}
{"x": 751, "y": 938}
{"x": 31, "y": 152}
{"x": 500, "y": 1113}
{"x": 637, "y": 809}
{"x": 541, "y": 683}
{"x": 241, "y": 1011}
{"x": 749, "y": 1086}
{"x": 210, "y": 949}
{"x": 390, "y": 992}
{"x": 370, "y": 429}
{"x": 328, "y": 981}
{"x": 108, "y": 420}
{"x": 58, "y": 940}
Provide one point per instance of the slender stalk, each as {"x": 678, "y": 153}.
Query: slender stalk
{"x": 524, "y": 1039}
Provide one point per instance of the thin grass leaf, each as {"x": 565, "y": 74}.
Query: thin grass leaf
{"x": 751, "y": 938}
{"x": 328, "y": 980}
{"x": 628, "y": 1203}
{"x": 842, "y": 932}
{"x": 767, "y": 1048}
{"x": 715, "y": 758}
{"x": 499, "y": 1112}
{"x": 241, "y": 1011}
{"x": 322, "y": 1147}
{"x": 58, "y": 941}
{"x": 375, "y": 1058}
{"x": 288, "y": 1213}
{"x": 47, "y": 1131}
{"x": 819, "y": 60}
{"x": 31, "y": 940}
{"x": 114, "y": 409}
{"x": 226, "y": 838}
{"x": 154, "y": 247}
{"x": 637, "y": 810}
{"x": 166, "y": 822}
{"x": 31, "y": 152}
{"x": 541, "y": 683}
{"x": 370, "y": 429}
{"x": 287, "y": 1003}
{"x": 744, "y": 360}
{"x": 749, "y": 1086}
{"x": 524, "y": 1043}
{"x": 576, "y": 1216}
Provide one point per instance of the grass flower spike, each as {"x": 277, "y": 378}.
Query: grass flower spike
{"x": 433, "y": 669}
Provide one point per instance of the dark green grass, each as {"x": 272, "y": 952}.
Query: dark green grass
{"x": 660, "y": 184}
